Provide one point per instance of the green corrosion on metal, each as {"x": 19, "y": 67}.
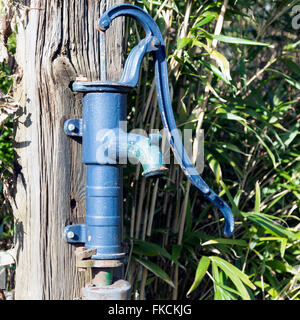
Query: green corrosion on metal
{"x": 108, "y": 277}
{"x": 148, "y": 154}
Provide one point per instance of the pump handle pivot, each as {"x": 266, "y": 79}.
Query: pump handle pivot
{"x": 154, "y": 42}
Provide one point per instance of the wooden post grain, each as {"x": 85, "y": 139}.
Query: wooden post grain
{"x": 57, "y": 41}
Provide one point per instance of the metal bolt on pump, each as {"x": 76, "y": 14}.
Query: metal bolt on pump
{"x": 104, "y": 144}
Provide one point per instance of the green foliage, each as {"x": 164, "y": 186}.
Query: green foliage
{"x": 6, "y": 147}
{"x": 242, "y": 87}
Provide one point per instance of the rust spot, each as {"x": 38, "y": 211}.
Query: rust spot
{"x": 2, "y": 295}
{"x": 100, "y": 29}
{"x": 163, "y": 168}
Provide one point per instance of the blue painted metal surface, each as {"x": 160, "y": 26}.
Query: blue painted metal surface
{"x": 104, "y": 142}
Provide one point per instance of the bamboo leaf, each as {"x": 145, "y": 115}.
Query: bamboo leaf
{"x": 142, "y": 248}
{"x": 222, "y": 62}
{"x": 227, "y": 145}
{"x": 235, "y": 209}
{"x": 152, "y": 249}
{"x": 215, "y": 166}
{"x": 288, "y": 79}
{"x": 219, "y": 292}
{"x": 291, "y": 46}
{"x": 237, "y": 242}
{"x": 283, "y": 246}
{"x": 234, "y": 269}
{"x": 215, "y": 70}
{"x": 155, "y": 269}
{"x": 289, "y": 136}
{"x": 236, "y": 276}
{"x": 263, "y": 221}
{"x": 200, "y": 273}
{"x": 183, "y": 42}
{"x": 236, "y": 40}
{"x": 292, "y": 66}
{"x": 227, "y": 292}
{"x": 220, "y": 59}
{"x": 213, "y": 91}
{"x": 228, "y": 115}
{"x": 176, "y": 251}
{"x": 204, "y": 21}
{"x": 277, "y": 198}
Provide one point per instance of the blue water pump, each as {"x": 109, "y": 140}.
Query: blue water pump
{"x": 105, "y": 143}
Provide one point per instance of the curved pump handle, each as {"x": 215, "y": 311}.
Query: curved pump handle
{"x": 154, "y": 42}
{"x": 151, "y": 42}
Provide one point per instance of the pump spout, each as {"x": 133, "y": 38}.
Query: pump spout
{"x": 122, "y": 145}
{"x": 148, "y": 152}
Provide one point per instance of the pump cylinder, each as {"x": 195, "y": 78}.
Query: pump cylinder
{"x": 102, "y": 111}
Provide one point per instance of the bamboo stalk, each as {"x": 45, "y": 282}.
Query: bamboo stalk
{"x": 133, "y": 210}
{"x": 152, "y": 208}
{"x": 143, "y": 283}
{"x": 177, "y": 207}
{"x": 160, "y": 9}
{"x": 149, "y": 229}
{"x": 144, "y": 270}
{"x": 174, "y": 65}
{"x": 149, "y": 99}
{"x": 140, "y": 207}
{"x": 166, "y": 236}
{"x": 146, "y": 212}
{"x": 175, "y": 281}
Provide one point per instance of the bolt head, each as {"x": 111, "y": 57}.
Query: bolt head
{"x": 71, "y": 127}
{"x": 70, "y": 235}
{"x": 156, "y": 42}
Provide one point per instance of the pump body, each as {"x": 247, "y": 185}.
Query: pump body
{"x": 104, "y": 145}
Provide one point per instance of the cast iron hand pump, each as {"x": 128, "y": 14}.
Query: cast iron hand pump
{"x": 154, "y": 42}
{"x": 104, "y": 109}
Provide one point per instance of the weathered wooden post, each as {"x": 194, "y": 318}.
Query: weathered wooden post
{"x": 57, "y": 41}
